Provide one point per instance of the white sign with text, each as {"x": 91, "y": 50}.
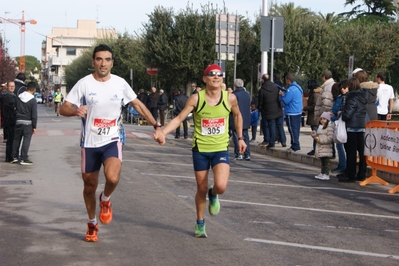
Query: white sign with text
{"x": 382, "y": 142}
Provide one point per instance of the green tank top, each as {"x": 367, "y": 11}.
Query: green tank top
{"x": 211, "y": 124}
{"x": 57, "y": 97}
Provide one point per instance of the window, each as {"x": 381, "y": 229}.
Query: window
{"x": 70, "y": 51}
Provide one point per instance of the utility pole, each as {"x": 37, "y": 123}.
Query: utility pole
{"x": 264, "y": 59}
{"x": 4, "y": 39}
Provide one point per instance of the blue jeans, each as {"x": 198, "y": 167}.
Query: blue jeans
{"x": 280, "y": 130}
{"x": 341, "y": 156}
{"x": 294, "y": 125}
{"x": 266, "y": 133}
{"x": 271, "y": 126}
{"x": 247, "y": 152}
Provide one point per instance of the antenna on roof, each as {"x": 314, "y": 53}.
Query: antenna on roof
{"x": 97, "y": 16}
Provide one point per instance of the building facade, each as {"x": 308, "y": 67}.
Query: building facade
{"x": 64, "y": 45}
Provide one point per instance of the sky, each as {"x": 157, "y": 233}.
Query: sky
{"x": 122, "y": 15}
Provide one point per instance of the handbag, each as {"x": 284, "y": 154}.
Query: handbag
{"x": 340, "y": 135}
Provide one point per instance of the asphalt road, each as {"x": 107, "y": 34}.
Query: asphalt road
{"x": 273, "y": 213}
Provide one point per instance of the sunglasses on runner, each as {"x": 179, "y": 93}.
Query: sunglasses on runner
{"x": 214, "y": 73}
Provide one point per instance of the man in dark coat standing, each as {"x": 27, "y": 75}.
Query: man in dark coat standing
{"x": 270, "y": 108}
{"x": 162, "y": 106}
{"x": 143, "y": 97}
{"x": 9, "y": 116}
{"x": 180, "y": 102}
{"x": 19, "y": 81}
{"x": 153, "y": 99}
{"x": 244, "y": 104}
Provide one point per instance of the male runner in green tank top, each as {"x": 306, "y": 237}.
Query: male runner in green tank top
{"x": 212, "y": 107}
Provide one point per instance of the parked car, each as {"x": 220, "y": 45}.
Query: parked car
{"x": 38, "y": 97}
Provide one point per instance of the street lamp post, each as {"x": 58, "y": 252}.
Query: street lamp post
{"x": 4, "y": 39}
{"x": 264, "y": 63}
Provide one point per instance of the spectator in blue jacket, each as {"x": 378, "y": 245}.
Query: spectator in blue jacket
{"x": 254, "y": 121}
{"x": 293, "y": 106}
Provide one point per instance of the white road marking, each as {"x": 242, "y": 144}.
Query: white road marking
{"x": 311, "y": 209}
{"x": 258, "y": 222}
{"x": 157, "y": 154}
{"x": 159, "y": 163}
{"x": 148, "y": 135}
{"x": 330, "y": 249}
{"x": 326, "y": 226}
{"x": 266, "y": 184}
{"x": 141, "y": 135}
{"x": 54, "y": 132}
{"x": 392, "y": 231}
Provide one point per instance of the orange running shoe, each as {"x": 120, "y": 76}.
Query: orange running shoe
{"x": 105, "y": 211}
{"x": 91, "y": 234}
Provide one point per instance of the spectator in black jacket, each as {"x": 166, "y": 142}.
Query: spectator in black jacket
{"x": 143, "y": 97}
{"x": 25, "y": 126}
{"x": 153, "y": 99}
{"x": 8, "y": 100}
{"x": 244, "y": 104}
{"x": 162, "y": 106}
{"x": 180, "y": 102}
{"x": 270, "y": 108}
{"x": 354, "y": 114}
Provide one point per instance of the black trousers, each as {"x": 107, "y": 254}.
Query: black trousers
{"x": 154, "y": 112}
{"x": 9, "y": 132}
{"x": 25, "y": 132}
{"x": 185, "y": 129}
{"x": 354, "y": 145}
{"x": 253, "y": 130}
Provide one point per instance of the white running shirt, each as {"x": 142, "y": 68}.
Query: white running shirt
{"x": 384, "y": 93}
{"x": 104, "y": 100}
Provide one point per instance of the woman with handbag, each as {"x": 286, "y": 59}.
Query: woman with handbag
{"x": 354, "y": 115}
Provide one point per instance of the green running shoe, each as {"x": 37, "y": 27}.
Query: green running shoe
{"x": 214, "y": 206}
{"x": 200, "y": 231}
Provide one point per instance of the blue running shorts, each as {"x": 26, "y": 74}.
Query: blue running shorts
{"x": 93, "y": 158}
{"x": 204, "y": 160}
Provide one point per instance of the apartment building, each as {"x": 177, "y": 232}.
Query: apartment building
{"x": 64, "y": 45}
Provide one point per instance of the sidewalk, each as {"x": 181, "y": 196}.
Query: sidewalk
{"x": 306, "y": 143}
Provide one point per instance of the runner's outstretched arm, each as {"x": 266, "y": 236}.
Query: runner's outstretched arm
{"x": 144, "y": 112}
{"x": 175, "y": 122}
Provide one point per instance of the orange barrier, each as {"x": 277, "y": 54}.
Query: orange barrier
{"x": 379, "y": 162}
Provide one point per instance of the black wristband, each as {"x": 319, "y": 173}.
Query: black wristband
{"x": 240, "y": 138}
{"x": 157, "y": 125}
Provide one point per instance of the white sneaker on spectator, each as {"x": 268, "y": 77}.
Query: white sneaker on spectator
{"x": 319, "y": 176}
{"x": 325, "y": 177}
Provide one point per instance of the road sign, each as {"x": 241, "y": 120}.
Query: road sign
{"x": 272, "y": 34}
{"x": 350, "y": 66}
{"x": 152, "y": 71}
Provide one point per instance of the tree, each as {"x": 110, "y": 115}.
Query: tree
{"x": 79, "y": 68}
{"x": 372, "y": 10}
{"x": 308, "y": 47}
{"x": 7, "y": 66}
{"x": 181, "y": 45}
{"x": 247, "y": 58}
{"x": 32, "y": 65}
{"x": 378, "y": 43}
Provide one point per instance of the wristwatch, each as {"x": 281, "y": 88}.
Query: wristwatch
{"x": 240, "y": 138}
{"x": 157, "y": 125}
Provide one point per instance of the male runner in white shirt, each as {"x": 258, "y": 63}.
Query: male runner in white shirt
{"x": 98, "y": 99}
